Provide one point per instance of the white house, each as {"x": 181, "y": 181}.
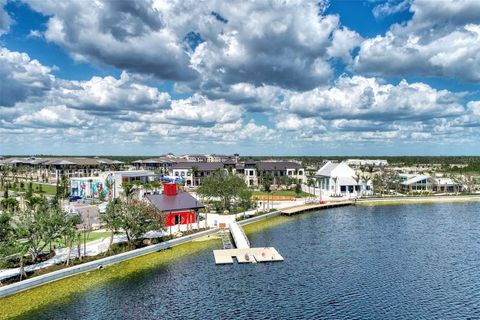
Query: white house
{"x": 338, "y": 179}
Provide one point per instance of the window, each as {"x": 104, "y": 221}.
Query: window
{"x": 176, "y": 173}
{"x": 300, "y": 172}
{"x": 178, "y": 219}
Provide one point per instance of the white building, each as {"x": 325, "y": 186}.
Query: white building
{"x": 367, "y": 162}
{"x": 338, "y": 179}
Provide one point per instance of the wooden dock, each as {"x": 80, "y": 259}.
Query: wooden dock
{"x": 243, "y": 253}
{"x": 315, "y": 206}
{"x": 247, "y": 255}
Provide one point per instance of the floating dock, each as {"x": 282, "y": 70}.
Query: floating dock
{"x": 249, "y": 255}
{"x": 315, "y": 206}
{"x": 243, "y": 253}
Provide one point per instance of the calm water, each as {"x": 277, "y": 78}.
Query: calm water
{"x": 396, "y": 262}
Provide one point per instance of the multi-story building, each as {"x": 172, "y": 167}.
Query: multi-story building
{"x": 53, "y": 168}
{"x": 281, "y": 172}
{"x": 160, "y": 164}
{"x": 194, "y": 172}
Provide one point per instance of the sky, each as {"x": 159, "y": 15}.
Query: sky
{"x": 289, "y": 77}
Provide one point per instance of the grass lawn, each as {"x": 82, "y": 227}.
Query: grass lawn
{"x": 285, "y": 193}
{"x": 47, "y": 189}
{"x": 92, "y": 236}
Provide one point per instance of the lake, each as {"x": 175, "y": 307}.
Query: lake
{"x": 416, "y": 261}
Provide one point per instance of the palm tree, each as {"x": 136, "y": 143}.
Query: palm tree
{"x": 91, "y": 188}
{"x": 335, "y": 179}
{"x": 357, "y": 180}
{"x": 310, "y": 183}
{"x": 195, "y": 171}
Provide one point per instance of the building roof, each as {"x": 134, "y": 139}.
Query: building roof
{"x": 134, "y": 173}
{"x": 202, "y": 166}
{"x": 180, "y": 201}
{"x": 79, "y": 161}
{"x": 327, "y": 169}
{"x": 277, "y": 165}
{"x": 416, "y": 179}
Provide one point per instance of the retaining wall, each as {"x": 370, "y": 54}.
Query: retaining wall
{"x": 93, "y": 265}
{"x": 88, "y": 266}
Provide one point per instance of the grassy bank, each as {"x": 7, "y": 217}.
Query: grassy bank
{"x": 29, "y": 304}
{"x": 397, "y": 201}
{"x": 283, "y": 193}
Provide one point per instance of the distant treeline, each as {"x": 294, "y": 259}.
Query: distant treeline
{"x": 472, "y": 161}
{"x": 403, "y": 160}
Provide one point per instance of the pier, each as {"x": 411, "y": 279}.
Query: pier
{"x": 315, "y": 206}
{"x": 243, "y": 253}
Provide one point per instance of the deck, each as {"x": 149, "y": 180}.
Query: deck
{"x": 248, "y": 255}
{"x": 315, "y": 206}
{"x": 243, "y": 253}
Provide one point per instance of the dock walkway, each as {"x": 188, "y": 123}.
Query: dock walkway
{"x": 241, "y": 240}
{"x": 315, "y": 206}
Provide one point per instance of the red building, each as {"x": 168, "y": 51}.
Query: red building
{"x": 178, "y": 207}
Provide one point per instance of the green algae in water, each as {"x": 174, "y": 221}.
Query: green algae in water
{"x": 27, "y": 303}
{"x": 67, "y": 289}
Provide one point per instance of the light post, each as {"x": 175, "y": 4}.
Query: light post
{"x": 84, "y": 240}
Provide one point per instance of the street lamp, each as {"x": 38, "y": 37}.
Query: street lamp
{"x": 84, "y": 240}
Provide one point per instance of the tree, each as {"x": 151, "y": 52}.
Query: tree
{"x": 10, "y": 204}
{"x": 51, "y": 221}
{"x": 138, "y": 218}
{"x": 310, "y": 184}
{"x": 128, "y": 190}
{"x": 298, "y": 188}
{"x": 195, "y": 171}
{"x": 30, "y": 230}
{"x": 69, "y": 231}
{"x": 29, "y": 193}
{"x": 223, "y": 186}
{"x": 245, "y": 197}
{"x": 335, "y": 179}
{"x": 112, "y": 218}
{"x": 266, "y": 181}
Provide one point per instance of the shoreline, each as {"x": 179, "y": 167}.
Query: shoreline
{"x": 416, "y": 200}
{"x": 187, "y": 247}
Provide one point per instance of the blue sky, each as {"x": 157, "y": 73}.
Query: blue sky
{"x": 264, "y": 78}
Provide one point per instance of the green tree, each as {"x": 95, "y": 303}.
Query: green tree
{"x": 137, "y": 219}
{"x": 222, "y": 186}
{"x": 30, "y": 230}
{"x": 29, "y": 192}
{"x": 70, "y": 233}
{"x": 128, "y": 189}
{"x": 298, "y": 188}
{"x": 195, "y": 172}
{"x": 245, "y": 200}
{"x": 10, "y": 204}
{"x": 266, "y": 181}
{"x": 112, "y": 218}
